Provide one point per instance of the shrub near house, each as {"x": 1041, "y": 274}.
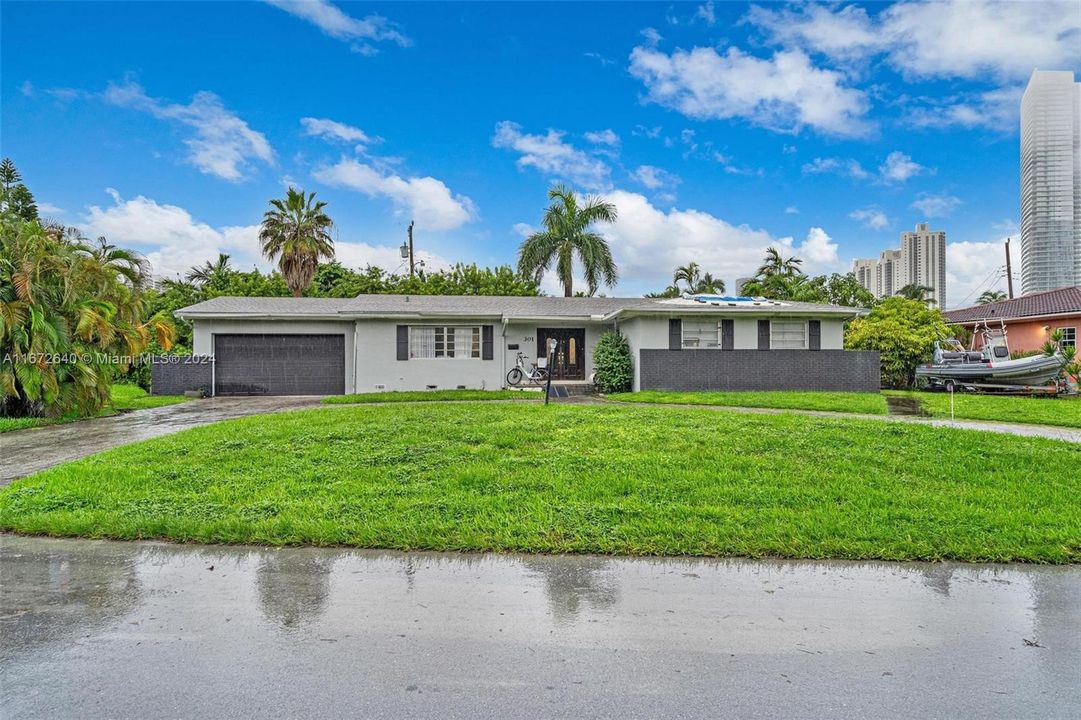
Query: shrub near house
{"x": 903, "y": 331}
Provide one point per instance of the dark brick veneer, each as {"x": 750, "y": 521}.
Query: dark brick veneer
{"x": 853, "y": 371}
{"x": 176, "y": 374}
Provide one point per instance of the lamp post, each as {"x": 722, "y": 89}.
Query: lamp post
{"x": 552, "y": 343}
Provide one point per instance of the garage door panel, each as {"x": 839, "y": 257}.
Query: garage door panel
{"x": 279, "y": 364}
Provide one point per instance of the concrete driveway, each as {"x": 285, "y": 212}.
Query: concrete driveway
{"x": 96, "y": 629}
{"x": 27, "y": 451}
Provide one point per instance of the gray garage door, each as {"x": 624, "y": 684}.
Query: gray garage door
{"x": 279, "y": 364}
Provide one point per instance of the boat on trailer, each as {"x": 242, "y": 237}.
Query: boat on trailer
{"x": 990, "y": 368}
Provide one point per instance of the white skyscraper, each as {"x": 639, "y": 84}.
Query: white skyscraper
{"x": 1050, "y": 182}
{"x": 866, "y": 272}
{"x": 923, "y": 255}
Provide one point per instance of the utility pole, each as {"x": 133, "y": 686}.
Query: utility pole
{"x": 1009, "y": 270}
{"x": 411, "y": 267}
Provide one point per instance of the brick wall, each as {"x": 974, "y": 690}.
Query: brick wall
{"x": 691, "y": 370}
{"x": 175, "y": 374}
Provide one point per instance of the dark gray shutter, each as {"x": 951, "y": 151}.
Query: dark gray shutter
{"x": 814, "y": 335}
{"x": 763, "y": 334}
{"x": 486, "y": 342}
{"x": 403, "y": 342}
{"x": 675, "y": 334}
{"x": 728, "y": 339}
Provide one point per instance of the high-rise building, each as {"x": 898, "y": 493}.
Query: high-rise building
{"x": 923, "y": 256}
{"x": 867, "y": 274}
{"x": 921, "y": 260}
{"x": 1050, "y": 182}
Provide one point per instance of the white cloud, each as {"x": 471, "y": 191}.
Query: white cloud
{"x": 706, "y": 13}
{"x": 973, "y": 267}
{"x": 424, "y": 199}
{"x": 335, "y": 131}
{"x": 223, "y": 144}
{"x": 936, "y": 38}
{"x": 648, "y": 242}
{"x": 523, "y": 229}
{"x": 932, "y": 205}
{"x": 174, "y": 241}
{"x": 791, "y": 210}
{"x": 997, "y": 109}
{"x": 340, "y": 26}
{"x": 652, "y": 36}
{"x": 48, "y": 209}
{"x": 836, "y": 166}
{"x": 899, "y": 167}
{"x": 171, "y": 238}
{"x": 603, "y": 137}
{"x": 871, "y": 217}
{"x": 550, "y": 154}
{"x": 976, "y": 38}
{"x": 655, "y": 177}
{"x": 783, "y": 93}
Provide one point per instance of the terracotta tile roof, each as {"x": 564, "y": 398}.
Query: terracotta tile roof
{"x": 1051, "y": 302}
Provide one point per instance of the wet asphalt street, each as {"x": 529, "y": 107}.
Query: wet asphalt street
{"x": 95, "y": 629}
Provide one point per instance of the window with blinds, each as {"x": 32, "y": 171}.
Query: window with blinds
{"x": 788, "y": 335}
{"x": 441, "y": 341}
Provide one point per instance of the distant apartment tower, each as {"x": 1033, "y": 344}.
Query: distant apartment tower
{"x": 923, "y": 256}
{"x": 920, "y": 261}
{"x": 1050, "y": 182}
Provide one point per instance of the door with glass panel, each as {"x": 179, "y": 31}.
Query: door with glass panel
{"x": 569, "y": 362}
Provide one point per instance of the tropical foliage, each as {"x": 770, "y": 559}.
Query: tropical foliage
{"x": 613, "y": 372}
{"x": 694, "y": 282}
{"x": 296, "y": 232}
{"x": 73, "y": 314}
{"x": 915, "y": 291}
{"x": 904, "y": 331}
{"x": 781, "y": 278}
{"x": 567, "y": 235}
{"x": 16, "y": 197}
{"x": 991, "y": 296}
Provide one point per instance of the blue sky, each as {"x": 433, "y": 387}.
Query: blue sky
{"x": 716, "y": 129}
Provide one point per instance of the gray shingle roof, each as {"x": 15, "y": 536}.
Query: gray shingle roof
{"x": 1050, "y": 302}
{"x": 481, "y": 306}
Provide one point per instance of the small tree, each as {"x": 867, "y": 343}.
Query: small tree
{"x": 612, "y": 367}
{"x": 903, "y": 331}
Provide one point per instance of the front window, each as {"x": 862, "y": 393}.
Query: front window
{"x": 460, "y": 342}
{"x": 701, "y": 333}
{"x": 788, "y": 335}
{"x": 1069, "y": 336}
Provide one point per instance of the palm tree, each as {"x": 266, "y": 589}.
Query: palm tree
{"x": 296, "y": 231}
{"x": 566, "y": 233}
{"x": 708, "y": 285}
{"x": 697, "y": 283}
{"x": 777, "y": 264}
{"x": 915, "y": 291}
{"x": 687, "y": 273}
{"x": 209, "y": 271}
{"x": 991, "y": 296}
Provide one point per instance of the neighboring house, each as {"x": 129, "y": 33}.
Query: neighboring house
{"x": 1029, "y": 319}
{"x": 285, "y": 346}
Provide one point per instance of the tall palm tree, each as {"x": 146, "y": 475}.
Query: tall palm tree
{"x": 707, "y": 284}
{"x": 296, "y": 231}
{"x": 687, "y": 273}
{"x": 777, "y": 264}
{"x": 991, "y": 296}
{"x": 566, "y": 234}
{"x": 915, "y": 291}
{"x": 209, "y": 271}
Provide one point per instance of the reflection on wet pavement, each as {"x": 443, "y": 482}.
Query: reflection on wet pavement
{"x": 109, "y": 629}
{"x": 27, "y": 451}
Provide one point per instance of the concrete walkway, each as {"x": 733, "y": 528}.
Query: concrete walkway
{"x": 96, "y": 629}
{"x": 27, "y": 451}
{"x": 1045, "y": 431}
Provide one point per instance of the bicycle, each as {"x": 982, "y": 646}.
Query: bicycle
{"x": 534, "y": 374}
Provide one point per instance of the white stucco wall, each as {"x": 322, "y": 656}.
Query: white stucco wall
{"x": 378, "y": 367}
{"x": 644, "y": 332}
{"x": 203, "y": 332}
{"x": 833, "y": 334}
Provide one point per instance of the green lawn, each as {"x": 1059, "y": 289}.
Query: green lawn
{"x": 606, "y": 479}
{"x": 1063, "y": 412}
{"x": 848, "y": 402}
{"x": 432, "y": 396}
{"x": 123, "y": 397}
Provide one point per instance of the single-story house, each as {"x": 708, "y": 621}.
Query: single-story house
{"x": 370, "y": 343}
{"x": 1029, "y": 319}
